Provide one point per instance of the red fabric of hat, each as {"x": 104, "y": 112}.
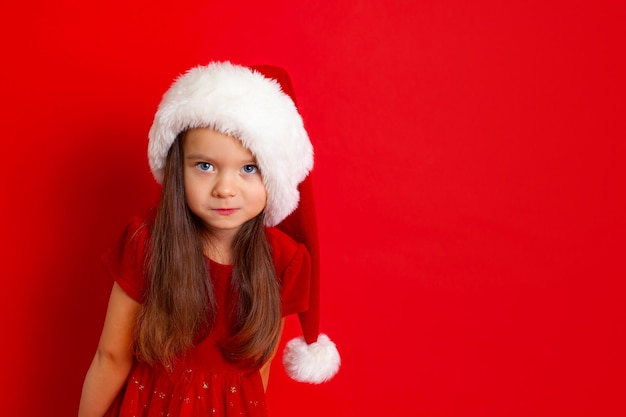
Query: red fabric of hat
{"x": 314, "y": 357}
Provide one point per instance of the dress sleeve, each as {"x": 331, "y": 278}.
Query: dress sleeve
{"x": 293, "y": 268}
{"x": 296, "y": 283}
{"x": 127, "y": 259}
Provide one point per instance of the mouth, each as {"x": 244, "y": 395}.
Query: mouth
{"x": 225, "y": 211}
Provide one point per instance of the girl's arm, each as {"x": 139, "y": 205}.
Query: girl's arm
{"x": 265, "y": 369}
{"x": 114, "y": 357}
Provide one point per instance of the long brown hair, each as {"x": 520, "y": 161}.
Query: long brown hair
{"x": 179, "y": 308}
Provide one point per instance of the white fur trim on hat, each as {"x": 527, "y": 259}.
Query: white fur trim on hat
{"x": 240, "y": 102}
{"x": 313, "y": 363}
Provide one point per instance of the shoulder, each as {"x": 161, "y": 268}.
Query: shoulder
{"x": 126, "y": 259}
{"x": 139, "y": 227}
{"x": 285, "y": 250}
{"x": 293, "y": 269}
{"x": 136, "y": 234}
{"x": 280, "y": 240}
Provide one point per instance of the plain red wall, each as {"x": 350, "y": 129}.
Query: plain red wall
{"x": 469, "y": 177}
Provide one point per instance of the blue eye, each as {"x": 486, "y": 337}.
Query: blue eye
{"x": 204, "y": 166}
{"x": 250, "y": 169}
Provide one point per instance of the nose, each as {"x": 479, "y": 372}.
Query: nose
{"x": 224, "y": 186}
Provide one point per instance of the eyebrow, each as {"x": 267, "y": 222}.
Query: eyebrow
{"x": 203, "y": 157}
{"x": 196, "y": 156}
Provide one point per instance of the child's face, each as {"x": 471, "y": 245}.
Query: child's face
{"x": 223, "y": 185}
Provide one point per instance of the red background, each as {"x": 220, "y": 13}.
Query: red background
{"x": 469, "y": 177}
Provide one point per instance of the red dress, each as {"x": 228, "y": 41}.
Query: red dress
{"x": 202, "y": 382}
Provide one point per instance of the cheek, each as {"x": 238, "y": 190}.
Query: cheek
{"x": 263, "y": 195}
{"x": 259, "y": 195}
{"x": 192, "y": 192}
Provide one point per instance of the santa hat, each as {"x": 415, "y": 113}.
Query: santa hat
{"x": 257, "y": 106}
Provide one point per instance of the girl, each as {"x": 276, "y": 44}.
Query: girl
{"x": 202, "y": 282}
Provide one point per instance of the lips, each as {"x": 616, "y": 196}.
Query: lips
{"x": 225, "y": 211}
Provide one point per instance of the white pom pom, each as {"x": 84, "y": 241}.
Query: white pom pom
{"x": 314, "y": 363}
